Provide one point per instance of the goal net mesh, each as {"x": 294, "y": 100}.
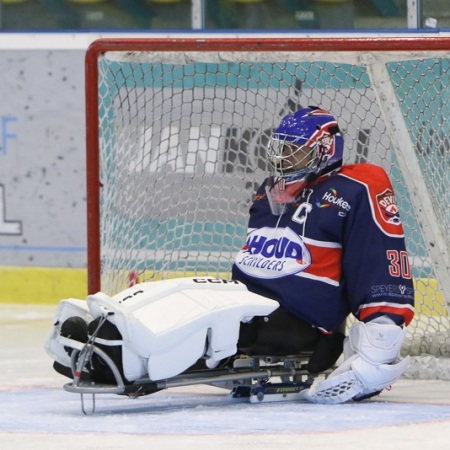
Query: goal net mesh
{"x": 182, "y": 147}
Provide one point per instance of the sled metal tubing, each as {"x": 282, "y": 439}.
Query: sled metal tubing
{"x": 78, "y": 361}
{"x": 182, "y": 380}
{"x": 261, "y": 374}
{"x": 80, "y": 358}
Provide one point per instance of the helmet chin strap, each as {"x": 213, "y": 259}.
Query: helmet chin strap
{"x": 313, "y": 176}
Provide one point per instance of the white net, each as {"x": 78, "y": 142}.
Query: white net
{"x": 183, "y": 138}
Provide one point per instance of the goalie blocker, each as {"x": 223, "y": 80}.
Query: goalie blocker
{"x": 160, "y": 329}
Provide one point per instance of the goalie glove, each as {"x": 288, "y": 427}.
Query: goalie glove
{"x": 371, "y": 364}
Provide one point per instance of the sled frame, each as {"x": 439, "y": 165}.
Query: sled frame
{"x": 254, "y": 381}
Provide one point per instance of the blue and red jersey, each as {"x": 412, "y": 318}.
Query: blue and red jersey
{"x": 338, "y": 249}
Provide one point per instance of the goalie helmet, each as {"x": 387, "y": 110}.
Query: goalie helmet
{"x": 306, "y": 145}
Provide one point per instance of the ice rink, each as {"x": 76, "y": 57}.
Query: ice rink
{"x": 36, "y": 413}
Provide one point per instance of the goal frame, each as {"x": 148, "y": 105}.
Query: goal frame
{"x": 373, "y": 44}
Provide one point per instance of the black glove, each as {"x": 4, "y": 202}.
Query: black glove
{"x": 326, "y": 352}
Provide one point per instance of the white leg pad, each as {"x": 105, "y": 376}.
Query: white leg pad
{"x": 172, "y": 323}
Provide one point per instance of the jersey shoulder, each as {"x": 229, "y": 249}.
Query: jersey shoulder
{"x": 373, "y": 176}
{"x": 380, "y": 194}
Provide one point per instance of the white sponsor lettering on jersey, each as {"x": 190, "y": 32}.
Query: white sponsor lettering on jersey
{"x": 273, "y": 253}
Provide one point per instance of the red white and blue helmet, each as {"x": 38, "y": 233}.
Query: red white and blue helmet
{"x": 310, "y": 127}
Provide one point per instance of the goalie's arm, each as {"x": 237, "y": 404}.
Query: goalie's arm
{"x": 375, "y": 263}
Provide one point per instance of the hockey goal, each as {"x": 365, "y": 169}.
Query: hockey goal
{"x": 177, "y": 131}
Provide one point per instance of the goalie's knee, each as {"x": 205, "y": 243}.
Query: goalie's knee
{"x": 75, "y": 328}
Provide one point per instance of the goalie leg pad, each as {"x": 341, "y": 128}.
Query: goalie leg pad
{"x": 166, "y": 326}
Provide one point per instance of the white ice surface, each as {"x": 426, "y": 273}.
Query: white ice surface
{"x": 36, "y": 413}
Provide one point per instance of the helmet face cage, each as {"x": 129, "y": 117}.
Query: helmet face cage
{"x": 287, "y": 156}
{"x": 309, "y": 128}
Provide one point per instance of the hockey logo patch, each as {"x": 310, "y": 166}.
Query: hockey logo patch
{"x": 388, "y": 208}
{"x": 273, "y": 253}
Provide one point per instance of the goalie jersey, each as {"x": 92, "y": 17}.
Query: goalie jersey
{"x": 338, "y": 249}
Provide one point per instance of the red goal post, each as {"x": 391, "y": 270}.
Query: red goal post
{"x": 177, "y": 129}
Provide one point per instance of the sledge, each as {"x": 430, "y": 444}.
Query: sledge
{"x": 170, "y": 333}
{"x": 269, "y": 381}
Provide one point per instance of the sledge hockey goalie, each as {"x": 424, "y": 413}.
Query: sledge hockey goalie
{"x": 325, "y": 242}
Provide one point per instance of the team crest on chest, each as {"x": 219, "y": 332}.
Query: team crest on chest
{"x": 387, "y": 207}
